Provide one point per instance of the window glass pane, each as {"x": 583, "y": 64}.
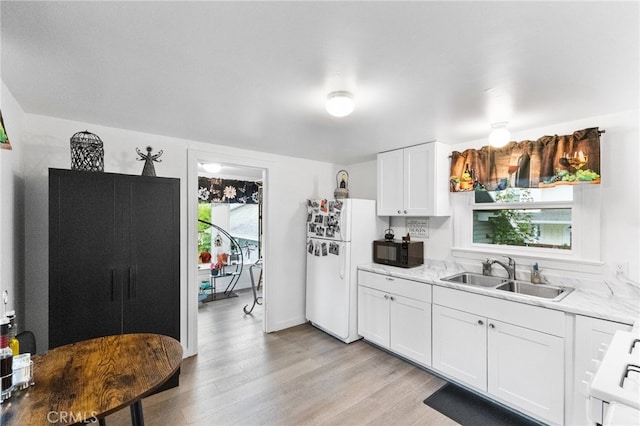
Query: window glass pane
{"x": 243, "y": 225}
{"x": 547, "y": 228}
{"x": 526, "y": 195}
{"x": 239, "y": 220}
{"x": 204, "y": 230}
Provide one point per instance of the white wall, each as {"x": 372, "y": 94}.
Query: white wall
{"x": 362, "y": 180}
{"x": 290, "y": 181}
{"x": 11, "y": 209}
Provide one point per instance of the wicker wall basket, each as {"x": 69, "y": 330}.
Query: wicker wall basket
{"x": 87, "y": 152}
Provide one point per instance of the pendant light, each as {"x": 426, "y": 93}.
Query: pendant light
{"x": 499, "y": 135}
{"x": 340, "y": 103}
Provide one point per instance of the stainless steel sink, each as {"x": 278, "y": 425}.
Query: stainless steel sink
{"x": 475, "y": 279}
{"x": 536, "y": 290}
{"x": 544, "y": 291}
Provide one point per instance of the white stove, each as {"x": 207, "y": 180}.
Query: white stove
{"x": 614, "y": 392}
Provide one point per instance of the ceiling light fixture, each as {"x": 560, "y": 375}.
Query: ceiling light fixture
{"x": 340, "y": 104}
{"x": 212, "y": 167}
{"x": 499, "y": 135}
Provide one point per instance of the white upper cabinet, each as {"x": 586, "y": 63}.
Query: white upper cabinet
{"x": 390, "y": 183}
{"x": 413, "y": 181}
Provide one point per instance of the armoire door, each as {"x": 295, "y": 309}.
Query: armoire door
{"x": 85, "y": 299}
{"x": 151, "y": 256}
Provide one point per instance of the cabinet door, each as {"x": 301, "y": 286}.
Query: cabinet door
{"x": 373, "y": 315}
{"x": 390, "y": 183}
{"x": 418, "y": 166}
{"x": 84, "y": 294}
{"x": 591, "y": 338}
{"x": 437, "y": 185}
{"x": 526, "y": 370}
{"x": 460, "y": 346}
{"x": 410, "y": 333}
{"x": 151, "y": 255}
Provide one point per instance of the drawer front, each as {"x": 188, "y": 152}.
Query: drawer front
{"x": 532, "y": 317}
{"x": 400, "y": 286}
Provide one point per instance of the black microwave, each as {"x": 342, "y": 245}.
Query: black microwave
{"x": 398, "y": 253}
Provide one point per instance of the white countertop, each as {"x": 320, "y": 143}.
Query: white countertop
{"x": 603, "y": 303}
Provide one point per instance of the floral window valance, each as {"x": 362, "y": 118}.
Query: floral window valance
{"x": 548, "y": 161}
{"x": 216, "y": 190}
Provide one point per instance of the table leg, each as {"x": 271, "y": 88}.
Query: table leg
{"x": 212, "y": 279}
{"x": 137, "y": 418}
{"x": 102, "y": 421}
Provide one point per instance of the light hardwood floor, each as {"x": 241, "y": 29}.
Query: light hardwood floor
{"x": 298, "y": 376}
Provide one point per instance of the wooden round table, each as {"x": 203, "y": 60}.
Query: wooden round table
{"x": 91, "y": 379}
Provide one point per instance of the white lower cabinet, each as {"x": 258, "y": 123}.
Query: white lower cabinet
{"x": 373, "y": 316}
{"x": 460, "y": 346}
{"x": 511, "y": 352}
{"x": 395, "y": 313}
{"x": 410, "y": 328}
{"x": 525, "y": 369}
{"x": 489, "y": 344}
{"x": 592, "y": 336}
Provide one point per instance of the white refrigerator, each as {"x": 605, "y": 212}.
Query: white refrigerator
{"x": 340, "y": 235}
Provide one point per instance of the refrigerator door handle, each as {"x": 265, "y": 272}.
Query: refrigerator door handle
{"x": 342, "y": 221}
{"x": 343, "y": 262}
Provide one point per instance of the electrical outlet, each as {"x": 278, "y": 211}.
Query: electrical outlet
{"x": 621, "y": 268}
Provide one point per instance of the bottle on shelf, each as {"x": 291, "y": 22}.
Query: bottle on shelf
{"x": 14, "y": 344}
{"x": 6, "y": 361}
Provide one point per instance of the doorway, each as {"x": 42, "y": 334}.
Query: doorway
{"x": 241, "y": 169}
{"x": 229, "y": 231}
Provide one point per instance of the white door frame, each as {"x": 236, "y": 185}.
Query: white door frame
{"x": 191, "y": 294}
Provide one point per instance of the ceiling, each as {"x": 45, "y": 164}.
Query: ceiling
{"x": 255, "y": 74}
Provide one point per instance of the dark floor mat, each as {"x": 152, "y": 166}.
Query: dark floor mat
{"x": 469, "y": 409}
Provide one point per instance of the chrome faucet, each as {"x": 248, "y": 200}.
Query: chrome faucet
{"x": 511, "y": 268}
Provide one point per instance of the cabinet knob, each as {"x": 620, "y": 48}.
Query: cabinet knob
{"x": 386, "y": 296}
{"x": 480, "y": 322}
{"x": 399, "y": 211}
{"x": 492, "y": 326}
{"x": 405, "y": 212}
{"x": 389, "y": 279}
{"x": 391, "y": 297}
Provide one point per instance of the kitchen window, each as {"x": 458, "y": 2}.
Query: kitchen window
{"x": 524, "y": 217}
{"x": 544, "y": 200}
{"x": 557, "y": 224}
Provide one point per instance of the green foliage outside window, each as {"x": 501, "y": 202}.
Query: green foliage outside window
{"x": 204, "y": 235}
{"x": 512, "y": 226}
